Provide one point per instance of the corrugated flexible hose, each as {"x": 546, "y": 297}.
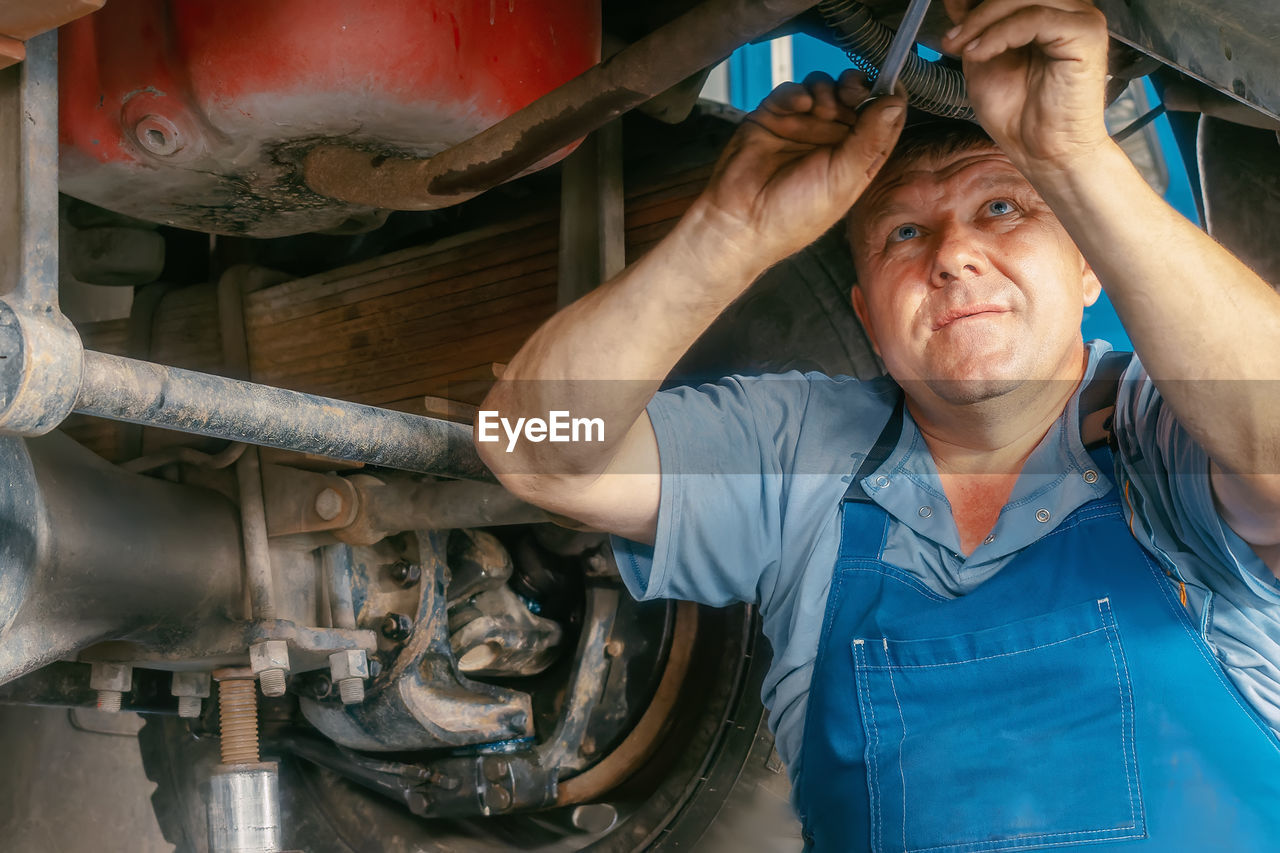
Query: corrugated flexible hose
{"x": 932, "y": 87}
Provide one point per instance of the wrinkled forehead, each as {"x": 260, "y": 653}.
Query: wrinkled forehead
{"x": 929, "y": 175}
{"x": 949, "y": 171}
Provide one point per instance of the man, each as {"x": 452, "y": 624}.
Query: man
{"x": 987, "y": 636}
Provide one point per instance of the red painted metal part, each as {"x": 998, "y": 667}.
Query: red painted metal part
{"x": 195, "y": 113}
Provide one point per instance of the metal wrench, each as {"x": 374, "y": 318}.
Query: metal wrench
{"x": 899, "y": 49}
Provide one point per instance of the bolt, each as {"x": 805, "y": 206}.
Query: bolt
{"x": 349, "y": 669}
{"x": 397, "y": 627}
{"x": 318, "y": 685}
{"x": 614, "y": 648}
{"x": 191, "y": 688}
{"x": 112, "y": 681}
{"x": 351, "y": 691}
{"x": 158, "y": 135}
{"x": 497, "y": 770}
{"x": 270, "y": 660}
{"x": 406, "y": 573}
{"x": 497, "y": 798}
{"x": 238, "y": 715}
{"x": 417, "y": 802}
{"x": 328, "y": 504}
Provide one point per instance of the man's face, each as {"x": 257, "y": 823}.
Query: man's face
{"x": 966, "y": 279}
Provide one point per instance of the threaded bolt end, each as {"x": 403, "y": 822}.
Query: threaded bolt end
{"x": 272, "y": 682}
{"x": 109, "y": 701}
{"x": 190, "y": 706}
{"x": 351, "y": 690}
{"x": 238, "y": 713}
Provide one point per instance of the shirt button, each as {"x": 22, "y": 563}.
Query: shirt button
{"x": 925, "y": 511}
{"x": 1042, "y": 515}
{"x": 882, "y": 481}
{"x": 991, "y": 537}
{"x": 1091, "y": 476}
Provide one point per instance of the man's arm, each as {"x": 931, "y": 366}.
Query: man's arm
{"x": 792, "y": 170}
{"x": 1206, "y": 327}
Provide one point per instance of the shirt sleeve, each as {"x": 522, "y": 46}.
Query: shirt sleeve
{"x": 722, "y": 449}
{"x": 1169, "y": 495}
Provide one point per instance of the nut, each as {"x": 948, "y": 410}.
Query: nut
{"x": 397, "y": 627}
{"x": 190, "y": 684}
{"x": 406, "y": 573}
{"x": 117, "y": 677}
{"x": 269, "y": 654}
{"x": 328, "y": 504}
{"x": 351, "y": 663}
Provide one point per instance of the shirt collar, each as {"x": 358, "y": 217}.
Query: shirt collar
{"x": 1058, "y": 477}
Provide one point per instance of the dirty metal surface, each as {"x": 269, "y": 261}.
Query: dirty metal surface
{"x": 193, "y": 114}
{"x": 419, "y": 700}
{"x": 92, "y": 553}
{"x": 1233, "y": 45}
{"x": 528, "y": 139}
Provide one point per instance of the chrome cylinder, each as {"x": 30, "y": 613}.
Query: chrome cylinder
{"x": 244, "y": 809}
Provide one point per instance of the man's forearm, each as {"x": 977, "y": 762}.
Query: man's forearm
{"x": 606, "y": 355}
{"x": 1207, "y": 328}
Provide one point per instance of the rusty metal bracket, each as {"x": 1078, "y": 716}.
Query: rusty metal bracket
{"x": 530, "y": 137}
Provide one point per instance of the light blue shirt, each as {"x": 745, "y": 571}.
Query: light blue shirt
{"x": 753, "y": 470}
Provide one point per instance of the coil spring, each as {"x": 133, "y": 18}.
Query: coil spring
{"x": 930, "y": 86}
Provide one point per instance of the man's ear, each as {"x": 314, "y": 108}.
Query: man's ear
{"x": 1092, "y": 286}
{"x": 860, "y": 308}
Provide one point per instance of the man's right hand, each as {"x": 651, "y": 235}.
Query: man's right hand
{"x": 797, "y": 165}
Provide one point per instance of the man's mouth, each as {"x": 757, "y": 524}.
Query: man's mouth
{"x": 951, "y": 315}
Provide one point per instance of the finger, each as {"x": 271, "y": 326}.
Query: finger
{"x": 802, "y": 128}
{"x": 1061, "y": 35}
{"x": 852, "y": 88}
{"x": 789, "y": 97}
{"x": 823, "y": 90}
{"x": 861, "y": 155}
{"x": 975, "y": 22}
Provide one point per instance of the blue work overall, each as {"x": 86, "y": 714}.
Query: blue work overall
{"x": 1067, "y": 701}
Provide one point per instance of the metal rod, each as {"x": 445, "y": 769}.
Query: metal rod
{"x": 125, "y": 389}
{"x": 253, "y": 527}
{"x": 335, "y": 561}
{"x": 29, "y": 177}
{"x": 1139, "y": 123}
{"x": 696, "y": 40}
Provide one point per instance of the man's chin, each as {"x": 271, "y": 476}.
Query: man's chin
{"x": 970, "y": 390}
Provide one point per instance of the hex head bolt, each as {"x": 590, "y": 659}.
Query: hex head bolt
{"x": 112, "y": 681}
{"x": 270, "y": 660}
{"x": 191, "y": 688}
{"x": 349, "y": 669}
{"x": 238, "y": 713}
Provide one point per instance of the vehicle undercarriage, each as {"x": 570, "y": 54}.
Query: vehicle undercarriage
{"x": 241, "y": 352}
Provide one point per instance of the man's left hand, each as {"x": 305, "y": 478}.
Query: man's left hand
{"x": 1036, "y": 71}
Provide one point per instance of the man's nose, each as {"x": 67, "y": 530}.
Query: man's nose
{"x": 958, "y": 255}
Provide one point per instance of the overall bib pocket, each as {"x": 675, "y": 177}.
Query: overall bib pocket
{"x": 1011, "y": 738}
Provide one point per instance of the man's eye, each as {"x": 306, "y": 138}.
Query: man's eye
{"x": 903, "y": 232}
{"x": 1000, "y": 207}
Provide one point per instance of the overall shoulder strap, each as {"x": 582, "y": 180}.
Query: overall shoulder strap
{"x": 1098, "y": 399}
{"x": 885, "y": 443}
